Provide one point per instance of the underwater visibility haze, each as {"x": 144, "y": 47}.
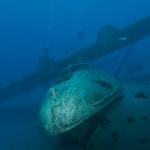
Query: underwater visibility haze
{"x": 44, "y": 106}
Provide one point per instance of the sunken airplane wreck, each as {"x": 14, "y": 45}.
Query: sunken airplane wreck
{"x": 95, "y": 110}
{"x": 91, "y": 106}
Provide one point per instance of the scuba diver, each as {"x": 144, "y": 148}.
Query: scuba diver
{"x": 46, "y": 63}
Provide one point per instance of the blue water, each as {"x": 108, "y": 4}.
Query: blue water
{"x": 28, "y": 26}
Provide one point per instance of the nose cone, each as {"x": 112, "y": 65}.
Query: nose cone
{"x": 61, "y": 113}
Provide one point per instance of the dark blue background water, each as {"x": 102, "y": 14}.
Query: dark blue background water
{"x": 28, "y": 26}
